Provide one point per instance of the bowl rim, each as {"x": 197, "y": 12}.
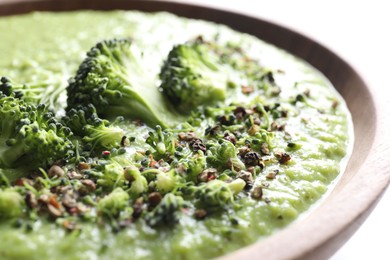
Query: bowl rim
{"x": 309, "y": 236}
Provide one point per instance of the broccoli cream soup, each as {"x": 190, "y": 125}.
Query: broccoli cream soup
{"x": 148, "y": 136}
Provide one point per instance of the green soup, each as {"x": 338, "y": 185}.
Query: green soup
{"x": 311, "y": 129}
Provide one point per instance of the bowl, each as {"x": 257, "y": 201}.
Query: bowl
{"x": 327, "y": 227}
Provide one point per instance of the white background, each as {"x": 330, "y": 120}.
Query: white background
{"x": 359, "y": 32}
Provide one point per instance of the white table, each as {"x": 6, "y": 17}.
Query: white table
{"x": 358, "y": 31}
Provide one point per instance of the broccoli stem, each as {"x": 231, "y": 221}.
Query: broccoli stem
{"x": 153, "y": 111}
{"x": 10, "y": 154}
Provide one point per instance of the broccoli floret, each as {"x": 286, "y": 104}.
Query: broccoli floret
{"x": 217, "y": 193}
{"x": 112, "y": 204}
{"x": 11, "y": 204}
{"x": 109, "y": 172}
{"x": 8, "y": 88}
{"x": 98, "y": 133}
{"x": 167, "y": 181}
{"x": 194, "y": 75}
{"x": 167, "y": 211}
{"x": 117, "y": 170}
{"x": 224, "y": 156}
{"x": 112, "y": 174}
{"x": 30, "y": 135}
{"x": 164, "y": 182}
{"x": 114, "y": 78}
{"x": 138, "y": 183}
{"x": 38, "y": 93}
{"x": 192, "y": 166}
{"x": 162, "y": 141}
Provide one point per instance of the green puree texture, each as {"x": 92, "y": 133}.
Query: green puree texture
{"x": 47, "y": 47}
